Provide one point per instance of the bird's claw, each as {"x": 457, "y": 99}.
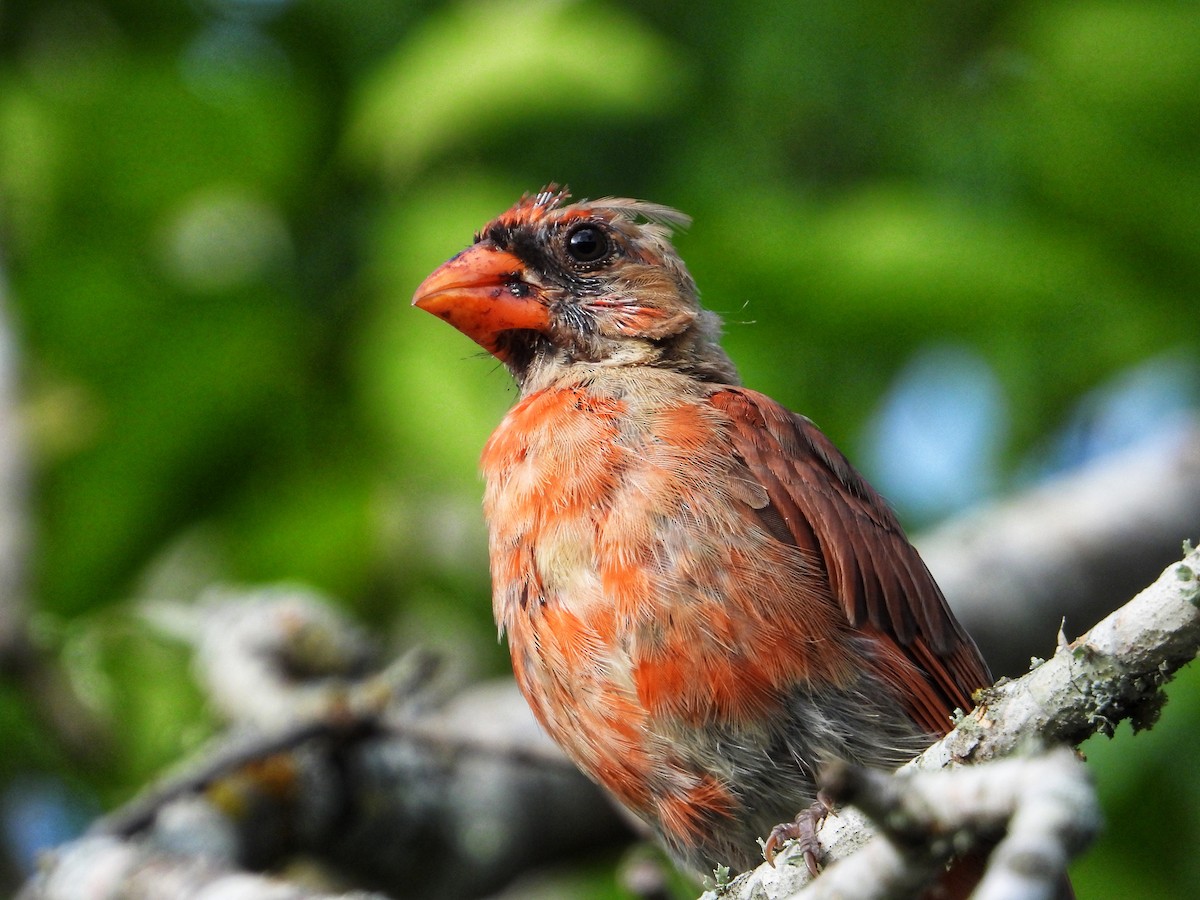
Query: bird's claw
{"x": 802, "y": 830}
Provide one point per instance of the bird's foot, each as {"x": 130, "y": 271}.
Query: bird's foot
{"x": 802, "y": 830}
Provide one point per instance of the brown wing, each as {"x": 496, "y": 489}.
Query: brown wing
{"x": 822, "y": 505}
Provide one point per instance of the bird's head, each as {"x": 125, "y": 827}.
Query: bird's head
{"x": 548, "y": 285}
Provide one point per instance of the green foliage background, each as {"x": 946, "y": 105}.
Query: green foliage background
{"x": 214, "y": 213}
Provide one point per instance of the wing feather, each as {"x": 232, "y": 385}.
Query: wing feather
{"x": 873, "y": 571}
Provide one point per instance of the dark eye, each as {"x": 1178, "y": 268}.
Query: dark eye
{"x": 587, "y": 244}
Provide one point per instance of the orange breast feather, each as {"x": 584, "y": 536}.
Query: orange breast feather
{"x": 637, "y": 598}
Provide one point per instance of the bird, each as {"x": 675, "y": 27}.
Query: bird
{"x": 704, "y": 601}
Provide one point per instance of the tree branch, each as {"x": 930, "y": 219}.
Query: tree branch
{"x": 369, "y": 771}
{"x": 1113, "y": 672}
{"x": 1075, "y": 547}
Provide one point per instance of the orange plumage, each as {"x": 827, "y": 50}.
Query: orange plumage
{"x": 703, "y": 599}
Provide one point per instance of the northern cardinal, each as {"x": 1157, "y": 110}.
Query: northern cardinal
{"x": 703, "y": 600}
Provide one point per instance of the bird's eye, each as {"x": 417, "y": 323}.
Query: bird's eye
{"x": 587, "y": 244}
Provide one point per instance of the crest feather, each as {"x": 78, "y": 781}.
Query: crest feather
{"x": 655, "y": 213}
{"x": 552, "y": 198}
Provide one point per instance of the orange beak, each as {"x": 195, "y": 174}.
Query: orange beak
{"x": 475, "y": 292}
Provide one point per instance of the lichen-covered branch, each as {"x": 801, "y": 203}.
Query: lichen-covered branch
{"x": 1043, "y": 805}
{"x": 1113, "y": 672}
{"x": 105, "y": 868}
{"x": 365, "y": 769}
{"x": 1074, "y": 547}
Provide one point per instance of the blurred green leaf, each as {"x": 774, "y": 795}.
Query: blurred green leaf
{"x": 1109, "y": 124}
{"x": 424, "y": 384}
{"x": 479, "y": 65}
